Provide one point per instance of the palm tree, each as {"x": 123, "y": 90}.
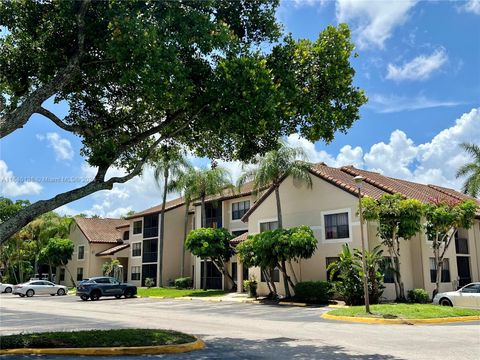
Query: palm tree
{"x": 170, "y": 162}
{"x": 270, "y": 172}
{"x": 472, "y": 170}
{"x": 184, "y": 184}
{"x": 207, "y": 182}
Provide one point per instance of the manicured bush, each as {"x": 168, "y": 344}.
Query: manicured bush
{"x": 149, "y": 282}
{"x": 419, "y": 296}
{"x": 183, "y": 283}
{"x": 318, "y": 292}
{"x": 251, "y": 287}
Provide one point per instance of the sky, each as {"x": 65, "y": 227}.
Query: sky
{"x": 418, "y": 62}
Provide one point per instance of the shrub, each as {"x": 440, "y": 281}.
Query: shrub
{"x": 419, "y": 296}
{"x": 149, "y": 282}
{"x": 251, "y": 287}
{"x": 183, "y": 283}
{"x": 318, "y": 292}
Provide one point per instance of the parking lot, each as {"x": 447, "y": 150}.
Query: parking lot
{"x": 243, "y": 331}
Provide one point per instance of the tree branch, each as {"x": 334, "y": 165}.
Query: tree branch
{"x": 57, "y": 121}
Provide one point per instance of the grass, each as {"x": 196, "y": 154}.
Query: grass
{"x": 405, "y": 311}
{"x": 173, "y": 292}
{"x": 95, "y": 338}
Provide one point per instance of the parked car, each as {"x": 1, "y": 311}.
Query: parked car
{"x": 468, "y": 297}
{"x": 6, "y": 288}
{"x": 39, "y": 287}
{"x": 97, "y": 287}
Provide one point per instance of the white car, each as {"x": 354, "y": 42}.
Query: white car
{"x": 39, "y": 287}
{"x": 6, "y": 288}
{"x": 467, "y": 297}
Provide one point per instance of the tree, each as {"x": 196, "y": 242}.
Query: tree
{"x": 397, "y": 218}
{"x": 350, "y": 273}
{"x": 169, "y": 163}
{"x": 108, "y": 268}
{"x": 471, "y": 186}
{"x": 271, "y": 169}
{"x": 212, "y": 244}
{"x": 271, "y": 249}
{"x": 206, "y": 182}
{"x": 443, "y": 219}
{"x": 184, "y": 184}
{"x": 139, "y": 74}
{"x": 8, "y": 208}
{"x": 57, "y": 252}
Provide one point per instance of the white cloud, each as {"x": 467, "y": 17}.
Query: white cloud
{"x": 12, "y": 186}
{"x": 61, "y": 146}
{"x": 373, "y": 21}
{"x": 420, "y": 68}
{"x": 395, "y": 103}
{"x": 300, "y": 3}
{"x": 472, "y": 6}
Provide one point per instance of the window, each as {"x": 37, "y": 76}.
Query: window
{"x": 126, "y": 235}
{"x": 213, "y": 215}
{"x": 79, "y": 274}
{"x": 235, "y": 271}
{"x": 149, "y": 271}
{"x": 103, "y": 280}
{"x": 388, "y": 270}
{"x": 239, "y": 209}
{"x": 445, "y": 277}
{"x": 150, "y": 251}
{"x": 238, "y": 232}
{"x": 137, "y": 227}
{"x": 276, "y": 275}
{"x": 472, "y": 289}
{"x": 150, "y": 226}
{"x": 135, "y": 273}
{"x": 336, "y": 226}
{"x": 269, "y": 225}
{"x": 81, "y": 252}
{"x": 328, "y": 261}
{"x": 62, "y": 275}
{"x": 461, "y": 245}
{"x": 136, "y": 249}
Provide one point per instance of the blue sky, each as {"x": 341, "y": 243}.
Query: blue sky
{"x": 418, "y": 63}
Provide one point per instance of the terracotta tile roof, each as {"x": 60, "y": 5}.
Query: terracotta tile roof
{"x": 239, "y": 239}
{"x": 101, "y": 230}
{"x": 245, "y": 189}
{"x": 169, "y": 205}
{"x": 375, "y": 185}
{"x": 113, "y": 250}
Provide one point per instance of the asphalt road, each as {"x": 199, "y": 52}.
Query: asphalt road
{"x": 242, "y": 331}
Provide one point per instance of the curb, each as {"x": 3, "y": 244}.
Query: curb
{"x": 138, "y": 350}
{"x": 367, "y": 320}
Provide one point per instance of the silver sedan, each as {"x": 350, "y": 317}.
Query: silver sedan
{"x": 467, "y": 297}
{"x": 6, "y": 288}
{"x": 39, "y": 287}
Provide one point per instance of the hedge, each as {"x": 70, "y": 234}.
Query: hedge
{"x": 318, "y": 292}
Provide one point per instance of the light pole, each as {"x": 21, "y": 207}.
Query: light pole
{"x": 359, "y": 181}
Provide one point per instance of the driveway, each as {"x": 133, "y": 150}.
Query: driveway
{"x": 243, "y": 331}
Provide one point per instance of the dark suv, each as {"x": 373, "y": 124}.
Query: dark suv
{"x": 96, "y": 287}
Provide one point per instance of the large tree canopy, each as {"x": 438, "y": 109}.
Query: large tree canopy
{"x": 139, "y": 73}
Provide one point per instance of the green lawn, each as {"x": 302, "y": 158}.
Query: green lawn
{"x": 95, "y": 338}
{"x": 173, "y": 292}
{"x": 405, "y": 311}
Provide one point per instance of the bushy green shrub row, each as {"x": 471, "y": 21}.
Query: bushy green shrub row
{"x": 318, "y": 292}
{"x": 419, "y": 296}
{"x": 183, "y": 283}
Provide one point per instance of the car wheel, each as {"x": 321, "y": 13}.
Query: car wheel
{"x": 60, "y": 292}
{"x": 128, "y": 293}
{"x": 8, "y": 290}
{"x": 52, "y": 294}
{"x": 445, "y": 302}
{"x": 30, "y": 293}
{"x": 21, "y": 295}
{"x": 118, "y": 296}
{"x": 84, "y": 297}
{"x": 95, "y": 295}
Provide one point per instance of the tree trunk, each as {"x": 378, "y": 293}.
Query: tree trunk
{"x": 293, "y": 271}
{"x": 69, "y": 273}
{"x": 162, "y": 231}
{"x": 221, "y": 265}
{"x": 272, "y": 282}
{"x": 401, "y": 287}
{"x": 285, "y": 280}
{"x": 185, "y": 234}
{"x": 279, "y": 207}
{"x": 438, "y": 266}
{"x": 204, "y": 222}
{"x": 265, "y": 275}
{"x": 395, "y": 279}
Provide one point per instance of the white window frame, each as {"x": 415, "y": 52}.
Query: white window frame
{"x": 265, "y": 221}
{"x": 78, "y": 253}
{"x": 133, "y": 227}
{"x": 131, "y": 252}
{"x": 333, "y": 212}
{"x": 231, "y": 210}
{"x": 140, "y": 272}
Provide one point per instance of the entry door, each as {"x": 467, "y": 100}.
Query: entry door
{"x": 463, "y": 267}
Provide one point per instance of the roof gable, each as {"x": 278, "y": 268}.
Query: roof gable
{"x": 98, "y": 230}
